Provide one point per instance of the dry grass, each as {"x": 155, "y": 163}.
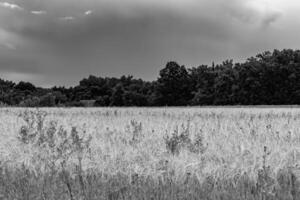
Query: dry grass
{"x": 150, "y": 153}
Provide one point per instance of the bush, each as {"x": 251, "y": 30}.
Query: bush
{"x": 47, "y": 100}
{"x": 31, "y": 102}
{"x": 55, "y": 147}
{"x": 178, "y": 141}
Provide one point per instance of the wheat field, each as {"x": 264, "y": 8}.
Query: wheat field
{"x": 150, "y": 153}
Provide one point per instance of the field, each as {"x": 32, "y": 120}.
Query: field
{"x": 150, "y": 153}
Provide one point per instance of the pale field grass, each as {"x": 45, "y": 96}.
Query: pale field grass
{"x": 233, "y": 138}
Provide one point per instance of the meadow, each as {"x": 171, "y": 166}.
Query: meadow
{"x": 150, "y": 153}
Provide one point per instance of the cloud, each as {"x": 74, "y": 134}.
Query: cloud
{"x": 253, "y": 11}
{"x": 10, "y": 6}
{"x": 271, "y": 18}
{"x": 67, "y": 18}
{"x": 7, "y": 40}
{"x": 75, "y": 38}
{"x": 17, "y": 63}
{"x": 39, "y": 12}
{"x": 89, "y": 12}
{"x": 8, "y": 46}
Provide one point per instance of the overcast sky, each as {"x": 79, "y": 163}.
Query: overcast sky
{"x": 59, "y": 42}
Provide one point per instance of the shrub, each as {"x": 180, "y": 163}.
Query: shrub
{"x": 181, "y": 140}
{"x": 135, "y": 128}
{"x": 55, "y": 146}
{"x": 31, "y": 102}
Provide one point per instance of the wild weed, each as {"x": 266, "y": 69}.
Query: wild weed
{"x": 55, "y": 145}
{"x": 177, "y": 141}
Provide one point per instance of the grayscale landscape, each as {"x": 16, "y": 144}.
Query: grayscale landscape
{"x": 149, "y": 100}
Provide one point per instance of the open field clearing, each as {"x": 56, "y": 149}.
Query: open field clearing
{"x": 150, "y": 153}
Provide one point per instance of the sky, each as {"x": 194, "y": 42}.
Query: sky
{"x": 60, "y": 42}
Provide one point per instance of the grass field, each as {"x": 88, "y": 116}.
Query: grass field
{"x": 150, "y": 153}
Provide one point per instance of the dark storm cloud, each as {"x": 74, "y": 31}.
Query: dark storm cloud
{"x": 18, "y": 65}
{"x": 271, "y": 18}
{"x": 69, "y": 39}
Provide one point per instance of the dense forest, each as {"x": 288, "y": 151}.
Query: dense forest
{"x": 270, "y": 78}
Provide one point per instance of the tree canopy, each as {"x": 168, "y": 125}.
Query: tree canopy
{"x": 269, "y": 78}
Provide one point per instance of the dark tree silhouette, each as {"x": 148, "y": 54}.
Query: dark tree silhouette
{"x": 269, "y": 78}
{"x": 173, "y": 86}
{"x": 23, "y": 86}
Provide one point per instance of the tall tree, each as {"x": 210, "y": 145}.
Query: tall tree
{"x": 173, "y": 86}
{"x": 117, "y": 96}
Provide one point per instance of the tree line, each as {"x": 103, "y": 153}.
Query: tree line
{"x": 269, "y": 78}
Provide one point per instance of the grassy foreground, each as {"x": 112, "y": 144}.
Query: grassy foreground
{"x": 157, "y": 153}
